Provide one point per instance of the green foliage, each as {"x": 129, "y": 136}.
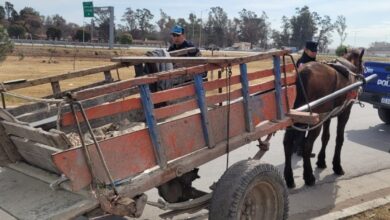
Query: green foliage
{"x": 79, "y": 36}
{"x": 53, "y": 33}
{"x": 341, "y": 50}
{"x": 125, "y": 38}
{"x": 6, "y": 45}
{"x": 16, "y": 31}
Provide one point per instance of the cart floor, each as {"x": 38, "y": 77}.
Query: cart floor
{"x": 25, "y": 197}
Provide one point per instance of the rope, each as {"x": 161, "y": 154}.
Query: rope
{"x": 228, "y": 85}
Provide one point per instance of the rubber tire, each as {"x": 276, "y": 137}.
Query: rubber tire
{"x": 237, "y": 182}
{"x": 384, "y": 115}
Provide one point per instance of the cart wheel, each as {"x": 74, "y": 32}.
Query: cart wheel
{"x": 384, "y": 115}
{"x": 250, "y": 190}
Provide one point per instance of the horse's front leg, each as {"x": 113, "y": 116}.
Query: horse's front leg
{"x": 288, "y": 142}
{"x": 342, "y": 120}
{"x": 308, "y": 147}
{"x": 324, "y": 139}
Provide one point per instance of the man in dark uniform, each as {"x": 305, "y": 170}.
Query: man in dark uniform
{"x": 309, "y": 55}
{"x": 179, "y": 41}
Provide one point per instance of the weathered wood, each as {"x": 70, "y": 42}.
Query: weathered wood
{"x": 182, "y": 52}
{"x": 46, "y": 113}
{"x": 199, "y": 60}
{"x": 36, "y": 135}
{"x": 304, "y": 117}
{"x": 172, "y": 94}
{"x": 7, "y": 146}
{"x": 185, "y": 164}
{"x": 36, "y": 154}
{"x": 108, "y": 76}
{"x": 55, "y": 86}
{"x": 135, "y": 150}
{"x": 64, "y": 76}
{"x": 4, "y": 160}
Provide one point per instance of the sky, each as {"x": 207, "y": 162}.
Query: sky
{"x": 367, "y": 20}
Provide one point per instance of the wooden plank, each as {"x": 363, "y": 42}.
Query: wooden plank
{"x": 55, "y": 86}
{"x": 7, "y": 146}
{"x": 44, "y": 113}
{"x": 103, "y": 110}
{"x": 199, "y": 60}
{"x": 304, "y": 117}
{"x": 148, "y": 181}
{"x": 70, "y": 75}
{"x": 35, "y": 134}
{"x": 135, "y": 152}
{"x": 36, "y": 154}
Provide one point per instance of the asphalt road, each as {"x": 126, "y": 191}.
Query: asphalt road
{"x": 365, "y": 159}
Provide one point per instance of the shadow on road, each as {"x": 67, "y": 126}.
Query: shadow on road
{"x": 377, "y": 137}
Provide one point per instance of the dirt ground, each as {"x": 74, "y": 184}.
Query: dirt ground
{"x": 380, "y": 213}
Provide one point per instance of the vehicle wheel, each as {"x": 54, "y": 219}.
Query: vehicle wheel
{"x": 250, "y": 190}
{"x": 384, "y": 115}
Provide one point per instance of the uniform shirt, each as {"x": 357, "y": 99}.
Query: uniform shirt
{"x": 185, "y": 44}
{"x": 304, "y": 59}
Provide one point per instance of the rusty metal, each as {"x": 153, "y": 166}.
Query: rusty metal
{"x": 264, "y": 147}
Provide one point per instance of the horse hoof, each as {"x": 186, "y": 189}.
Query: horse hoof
{"x": 310, "y": 181}
{"x": 290, "y": 185}
{"x": 321, "y": 165}
{"x": 338, "y": 171}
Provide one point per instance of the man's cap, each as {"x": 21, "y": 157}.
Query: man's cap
{"x": 311, "y": 45}
{"x": 177, "y": 30}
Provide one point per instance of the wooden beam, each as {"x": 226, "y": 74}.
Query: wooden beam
{"x": 199, "y": 60}
{"x": 7, "y": 146}
{"x": 36, "y": 154}
{"x": 36, "y": 135}
{"x": 304, "y": 117}
{"x": 64, "y": 76}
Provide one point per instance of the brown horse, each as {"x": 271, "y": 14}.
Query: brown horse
{"x": 318, "y": 80}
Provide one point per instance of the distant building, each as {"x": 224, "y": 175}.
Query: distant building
{"x": 381, "y": 49}
{"x": 242, "y": 46}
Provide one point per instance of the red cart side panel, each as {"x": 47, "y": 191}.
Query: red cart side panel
{"x": 132, "y": 153}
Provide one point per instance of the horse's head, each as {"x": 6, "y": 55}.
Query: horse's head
{"x": 355, "y": 56}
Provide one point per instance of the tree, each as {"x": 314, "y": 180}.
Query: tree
{"x": 130, "y": 18}
{"x": 303, "y": 26}
{"x": 324, "y": 36}
{"x": 282, "y": 38}
{"x": 341, "y": 26}
{"x": 253, "y": 29}
{"x": 16, "y": 31}
{"x": 53, "y": 33}
{"x": 79, "y": 36}
{"x": 341, "y": 50}
{"x": 165, "y": 23}
{"x": 6, "y": 45}
{"x": 125, "y": 38}
{"x": 216, "y": 27}
{"x": 31, "y": 21}
{"x": 144, "y": 17}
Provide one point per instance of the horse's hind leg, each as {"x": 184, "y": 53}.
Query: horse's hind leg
{"x": 342, "y": 120}
{"x": 288, "y": 149}
{"x": 307, "y": 168}
{"x": 324, "y": 139}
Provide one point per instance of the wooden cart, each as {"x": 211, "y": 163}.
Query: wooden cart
{"x": 185, "y": 126}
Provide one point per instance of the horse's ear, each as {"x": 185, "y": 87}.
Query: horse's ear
{"x": 361, "y": 54}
